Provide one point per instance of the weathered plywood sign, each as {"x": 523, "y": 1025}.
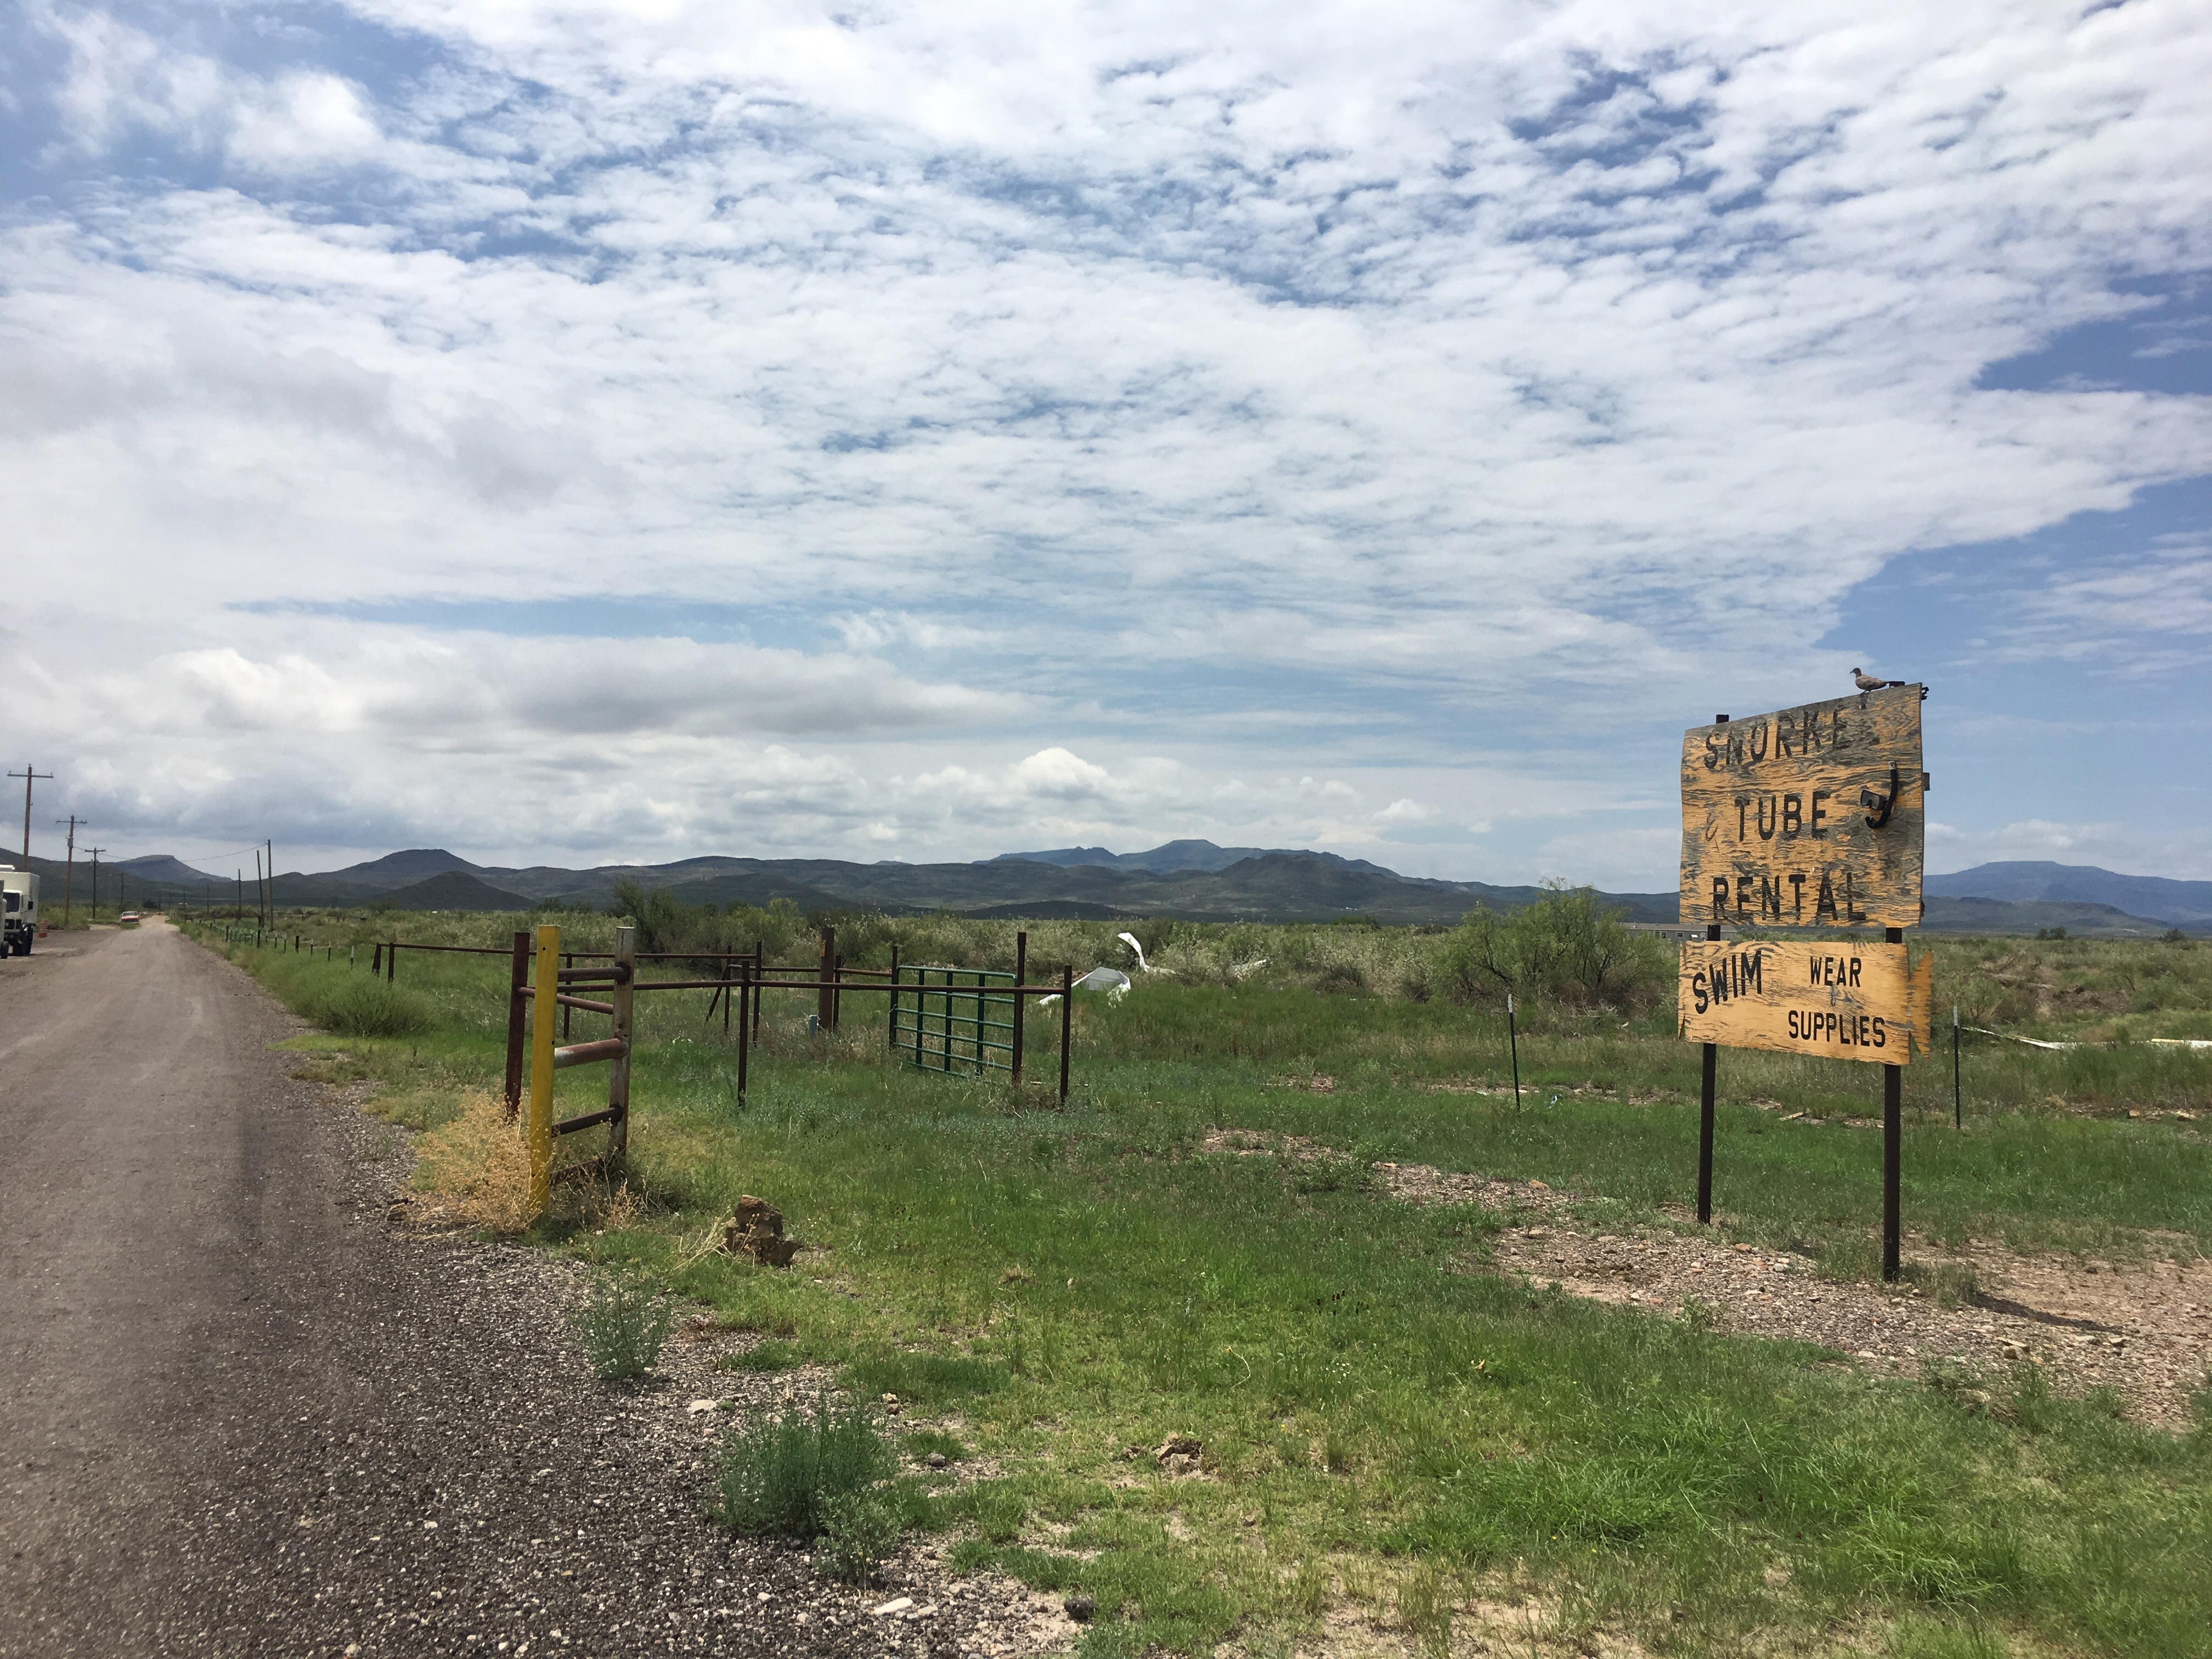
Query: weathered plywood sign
{"x": 1811, "y": 818}
{"x": 1842, "y": 1002}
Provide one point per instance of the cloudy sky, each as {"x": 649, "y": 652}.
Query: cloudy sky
{"x": 590, "y": 431}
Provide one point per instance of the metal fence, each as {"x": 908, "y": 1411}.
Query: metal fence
{"x": 956, "y": 1019}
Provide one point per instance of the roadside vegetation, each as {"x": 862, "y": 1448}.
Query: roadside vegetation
{"x": 1380, "y": 1428}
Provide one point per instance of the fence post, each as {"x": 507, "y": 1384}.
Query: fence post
{"x": 1067, "y": 1024}
{"x": 1021, "y": 978}
{"x": 517, "y": 983}
{"x": 890, "y": 1027}
{"x": 619, "y": 1072}
{"x": 825, "y": 1006}
{"x": 744, "y": 1024}
{"x": 541, "y": 1067}
{"x": 760, "y": 967}
{"x": 836, "y": 991}
{"x": 391, "y": 961}
{"x": 376, "y": 961}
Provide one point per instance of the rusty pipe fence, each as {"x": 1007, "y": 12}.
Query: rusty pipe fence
{"x": 942, "y": 1019}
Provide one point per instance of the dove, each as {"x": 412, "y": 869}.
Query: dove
{"x": 1866, "y": 682}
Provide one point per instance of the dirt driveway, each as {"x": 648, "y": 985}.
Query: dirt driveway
{"x": 240, "y": 1414}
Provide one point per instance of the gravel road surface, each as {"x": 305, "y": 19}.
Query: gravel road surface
{"x": 241, "y": 1412}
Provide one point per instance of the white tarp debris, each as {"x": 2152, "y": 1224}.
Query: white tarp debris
{"x": 1143, "y": 967}
{"x": 2040, "y": 1042}
{"x": 1246, "y": 969}
{"x": 1112, "y": 981}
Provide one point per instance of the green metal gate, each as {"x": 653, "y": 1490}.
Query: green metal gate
{"x": 955, "y": 1019}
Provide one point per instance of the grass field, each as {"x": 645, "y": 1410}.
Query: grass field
{"x": 1389, "y": 1432}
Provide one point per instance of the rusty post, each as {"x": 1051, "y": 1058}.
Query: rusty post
{"x": 1067, "y": 1024}
{"x": 376, "y": 961}
{"x": 391, "y": 961}
{"x": 744, "y": 1025}
{"x": 825, "y": 1004}
{"x": 890, "y": 1025}
{"x": 518, "y": 981}
{"x": 837, "y": 992}
{"x": 1021, "y": 978}
{"x": 619, "y": 1072}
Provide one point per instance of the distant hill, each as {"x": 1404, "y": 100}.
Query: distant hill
{"x": 2039, "y": 879}
{"x": 161, "y": 867}
{"x": 1191, "y": 878}
{"x": 1261, "y": 886}
{"x": 396, "y": 870}
{"x": 2027, "y": 917}
{"x": 453, "y": 890}
{"x": 1171, "y": 856}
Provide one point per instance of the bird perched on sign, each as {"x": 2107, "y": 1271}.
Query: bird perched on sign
{"x": 1866, "y": 682}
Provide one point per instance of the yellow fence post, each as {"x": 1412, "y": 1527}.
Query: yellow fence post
{"x": 623, "y": 998}
{"x": 541, "y": 1069}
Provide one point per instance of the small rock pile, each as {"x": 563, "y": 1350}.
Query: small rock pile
{"x": 755, "y": 1232}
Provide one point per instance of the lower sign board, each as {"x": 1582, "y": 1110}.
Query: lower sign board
{"x": 1840, "y": 1001}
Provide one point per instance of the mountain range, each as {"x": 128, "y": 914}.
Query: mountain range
{"x": 2038, "y": 880}
{"x": 1191, "y": 878}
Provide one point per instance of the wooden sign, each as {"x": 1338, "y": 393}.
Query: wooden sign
{"x": 1841, "y": 1001}
{"x": 1811, "y": 818}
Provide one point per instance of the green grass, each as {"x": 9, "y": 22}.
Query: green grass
{"x": 1378, "y": 1421}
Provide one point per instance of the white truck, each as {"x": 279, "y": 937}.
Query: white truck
{"x": 18, "y": 922}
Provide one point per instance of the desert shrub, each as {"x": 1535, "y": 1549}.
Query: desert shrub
{"x": 793, "y": 1474}
{"x": 361, "y": 1004}
{"x": 622, "y": 1324}
{"x": 477, "y": 1162}
{"x": 859, "y": 1532}
{"x": 1565, "y": 946}
{"x": 1339, "y": 973}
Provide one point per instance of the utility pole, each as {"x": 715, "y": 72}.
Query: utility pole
{"x": 96, "y": 852}
{"x": 69, "y": 870}
{"x": 27, "y": 774}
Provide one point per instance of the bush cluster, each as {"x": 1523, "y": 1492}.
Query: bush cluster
{"x": 1565, "y": 947}
{"x": 623, "y": 1325}
{"x": 815, "y": 1475}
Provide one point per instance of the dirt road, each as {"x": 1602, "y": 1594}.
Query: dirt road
{"x": 240, "y": 1414}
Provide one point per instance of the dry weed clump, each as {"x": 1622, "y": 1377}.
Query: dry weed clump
{"x": 479, "y": 1163}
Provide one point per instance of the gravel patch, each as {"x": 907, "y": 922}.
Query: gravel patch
{"x": 2143, "y": 1331}
{"x": 253, "y": 1404}
{"x": 483, "y": 1493}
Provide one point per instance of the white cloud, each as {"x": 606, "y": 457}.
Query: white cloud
{"x": 122, "y": 80}
{"x": 1463, "y": 373}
